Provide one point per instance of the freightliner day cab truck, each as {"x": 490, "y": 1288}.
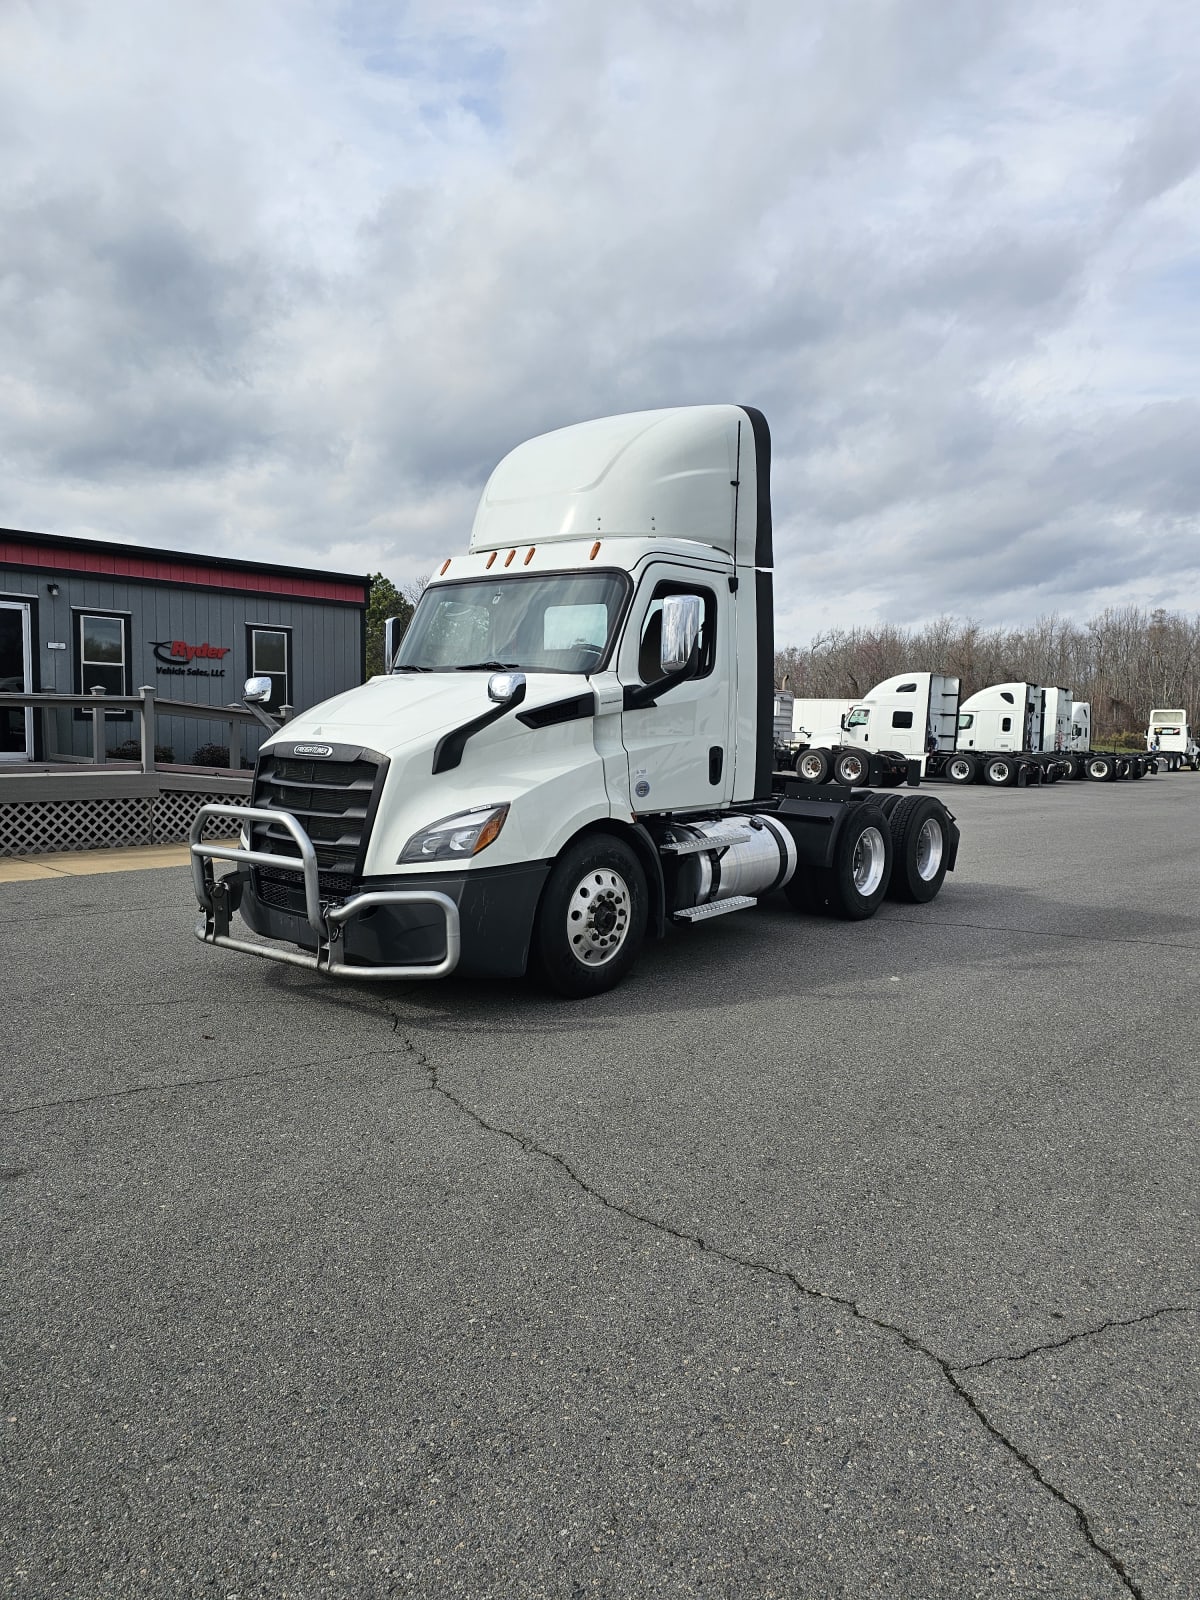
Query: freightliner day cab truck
{"x": 572, "y": 748}
{"x": 1171, "y": 738}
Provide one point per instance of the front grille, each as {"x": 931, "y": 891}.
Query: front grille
{"x": 285, "y": 890}
{"x": 333, "y": 801}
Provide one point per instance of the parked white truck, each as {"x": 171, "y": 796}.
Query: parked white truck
{"x": 1170, "y": 737}
{"x": 572, "y": 747}
{"x": 1007, "y": 734}
{"x": 884, "y": 738}
{"x": 1017, "y": 731}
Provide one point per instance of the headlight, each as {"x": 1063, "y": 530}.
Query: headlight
{"x": 465, "y": 834}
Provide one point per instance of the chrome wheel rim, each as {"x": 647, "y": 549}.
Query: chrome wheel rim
{"x": 811, "y": 767}
{"x": 854, "y": 769}
{"x": 598, "y": 917}
{"x": 868, "y": 862}
{"x": 929, "y": 849}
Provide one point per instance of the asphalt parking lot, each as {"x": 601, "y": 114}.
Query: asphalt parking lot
{"x": 818, "y": 1260}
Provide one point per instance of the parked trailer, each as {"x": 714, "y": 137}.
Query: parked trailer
{"x": 572, "y": 747}
{"x": 1169, "y": 736}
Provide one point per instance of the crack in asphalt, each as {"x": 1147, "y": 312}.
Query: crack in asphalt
{"x": 783, "y": 1275}
{"x": 193, "y": 1083}
{"x": 1050, "y": 933}
{"x": 1073, "y": 1338}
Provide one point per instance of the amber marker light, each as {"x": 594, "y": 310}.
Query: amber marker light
{"x": 508, "y": 560}
{"x": 595, "y": 551}
{"x": 490, "y": 560}
{"x": 529, "y": 557}
{"x": 489, "y": 830}
{"x": 445, "y": 564}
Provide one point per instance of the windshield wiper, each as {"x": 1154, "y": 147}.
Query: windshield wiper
{"x": 411, "y": 667}
{"x": 496, "y": 666}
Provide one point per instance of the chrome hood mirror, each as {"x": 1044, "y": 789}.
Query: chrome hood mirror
{"x": 257, "y": 691}
{"x": 506, "y": 688}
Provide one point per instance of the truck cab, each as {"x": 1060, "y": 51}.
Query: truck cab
{"x": 1169, "y": 734}
{"x": 1003, "y": 717}
{"x": 911, "y": 713}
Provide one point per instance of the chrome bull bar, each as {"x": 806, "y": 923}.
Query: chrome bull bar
{"x": 327, "y": 922}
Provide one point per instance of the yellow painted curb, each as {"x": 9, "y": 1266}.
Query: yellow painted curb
{"x": 85, "y": 863}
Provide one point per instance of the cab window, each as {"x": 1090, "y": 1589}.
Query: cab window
{"x": 858, "y": 718}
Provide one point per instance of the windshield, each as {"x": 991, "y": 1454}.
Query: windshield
{"x": 560, "y": 624}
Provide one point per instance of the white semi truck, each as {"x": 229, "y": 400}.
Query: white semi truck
{"x": 1013, "y": 728}
{"x": 886, "y": 737}
{"x": 1007, "y": 734}
{"x": 1170, "y": 737}
{"x": 572, "y": 747}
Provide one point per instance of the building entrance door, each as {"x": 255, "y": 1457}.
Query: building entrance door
{"x": 16, "y": 676}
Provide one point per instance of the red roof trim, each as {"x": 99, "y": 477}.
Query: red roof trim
{"x": 17, "y": 553}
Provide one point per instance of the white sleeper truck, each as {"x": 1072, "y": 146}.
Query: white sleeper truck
{"x": 1014, "y": 733}
{"x": 1170, "y": 737}
{"x": 571, "y": 749}
{"x": 888, "y": 735}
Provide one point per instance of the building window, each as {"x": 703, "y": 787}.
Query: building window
{"x": 103, "y": 655}
{"x": 269, "y": 655}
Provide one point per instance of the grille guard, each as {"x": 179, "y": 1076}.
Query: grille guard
{"x": 327, "y": 922}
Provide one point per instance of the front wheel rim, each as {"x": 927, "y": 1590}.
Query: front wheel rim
{"x": 929, "y": 850}
{"x": 869, "y": 862}
{"x": 598, "y": 917}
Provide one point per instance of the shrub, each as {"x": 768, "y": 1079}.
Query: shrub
{"x": 211, "y": 755}
{"x": 131, "y": 750}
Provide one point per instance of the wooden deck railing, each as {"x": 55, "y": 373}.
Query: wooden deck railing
{"x": 148, "y": 705}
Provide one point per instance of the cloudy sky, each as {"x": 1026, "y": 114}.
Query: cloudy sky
{"x": 282, "y": 279}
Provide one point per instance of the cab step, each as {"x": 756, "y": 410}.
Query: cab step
{"x": 715, "y": 908}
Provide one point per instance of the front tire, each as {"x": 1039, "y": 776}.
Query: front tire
{"x": 592, "y": 918}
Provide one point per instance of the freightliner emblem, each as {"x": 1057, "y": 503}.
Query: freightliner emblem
{"x": 312, "y": 749}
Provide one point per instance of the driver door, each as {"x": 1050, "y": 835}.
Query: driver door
{"x": 680, "y": 750}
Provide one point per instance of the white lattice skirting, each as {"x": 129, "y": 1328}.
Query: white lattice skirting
{"x": 38, "y": 827}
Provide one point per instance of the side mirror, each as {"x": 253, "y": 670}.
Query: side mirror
{"x": 682, "y": 615}
{"x": 257, "y": 691}
{"x": 506, "y": 688}
{"x": 392, "y": 635}
{"x": 842, "y": 722}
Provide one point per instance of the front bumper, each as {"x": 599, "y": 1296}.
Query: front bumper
{"x": 401, "y": 927}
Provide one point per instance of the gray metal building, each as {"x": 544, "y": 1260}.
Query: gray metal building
{"x": 79, "y": 614}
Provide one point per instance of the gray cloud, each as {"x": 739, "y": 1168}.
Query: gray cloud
{"x": 287, "y": 280}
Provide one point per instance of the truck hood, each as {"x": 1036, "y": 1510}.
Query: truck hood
{"x": 390, "y": 714}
